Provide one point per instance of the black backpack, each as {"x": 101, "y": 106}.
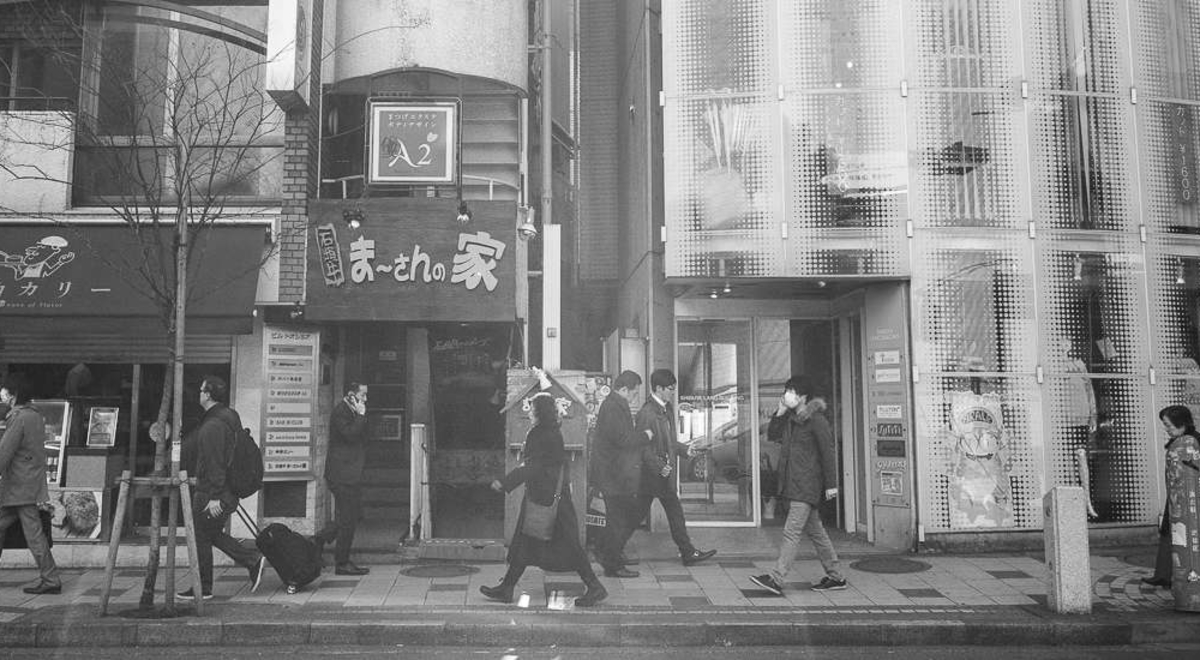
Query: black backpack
{"x": 244, "y": 474}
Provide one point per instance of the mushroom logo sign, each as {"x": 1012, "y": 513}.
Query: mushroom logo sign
{"x": 38, "y": 260}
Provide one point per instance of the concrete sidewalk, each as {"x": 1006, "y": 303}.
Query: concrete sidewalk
{"x": 984, "y": 600}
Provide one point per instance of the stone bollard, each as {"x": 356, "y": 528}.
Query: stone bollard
{"x": 1068, "y": 562}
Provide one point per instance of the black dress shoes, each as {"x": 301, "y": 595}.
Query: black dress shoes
{"x": 1158, "y": 582}
{"x": 349, "y": 568}
{"x": 43, "y": 588}
{"x": 594, "y": 594}
{"x": 620, "y": 573}
{"x": 501, "y": 592}
{"x": 697, "y": 556}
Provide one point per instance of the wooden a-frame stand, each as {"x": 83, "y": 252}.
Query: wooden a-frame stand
{"x": 173, "y": 489}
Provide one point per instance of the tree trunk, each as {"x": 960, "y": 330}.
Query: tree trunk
{"x": 160, "y": 461}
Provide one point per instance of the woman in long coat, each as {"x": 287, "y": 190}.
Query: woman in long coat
{"x": 545, "y": 460}
{"x": 23, "y": 479}
{"x": 1183, "y": 506}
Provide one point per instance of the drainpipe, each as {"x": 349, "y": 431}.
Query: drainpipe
{"x": 552, "y": 233}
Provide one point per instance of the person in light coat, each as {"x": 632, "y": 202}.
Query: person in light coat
{"x": 23, "y": 479}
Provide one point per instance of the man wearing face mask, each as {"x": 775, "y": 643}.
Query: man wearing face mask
{"x": 807, "y": 473}
{"x": 344, "y": 474}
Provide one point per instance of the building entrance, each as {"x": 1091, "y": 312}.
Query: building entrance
{"x": 732, "y": 371}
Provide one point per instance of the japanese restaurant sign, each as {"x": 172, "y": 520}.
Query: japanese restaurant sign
{"x": 289, "y": 401}
{"x": 412, "y": 143}
{"x": 410, "y": 259}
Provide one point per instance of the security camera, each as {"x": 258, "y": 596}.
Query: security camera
{"x": 528, "y": 230}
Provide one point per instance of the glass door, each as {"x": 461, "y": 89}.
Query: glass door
{"x": 716, "y": 421}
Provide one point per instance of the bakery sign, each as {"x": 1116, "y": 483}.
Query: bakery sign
{"x": 412, "y": 143}
{"x": 411, "y": 259}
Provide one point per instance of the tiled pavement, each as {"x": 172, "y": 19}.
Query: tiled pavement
{"x": 951, "y": 585}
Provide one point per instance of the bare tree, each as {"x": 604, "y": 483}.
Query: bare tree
{"x": 171, "y": 128}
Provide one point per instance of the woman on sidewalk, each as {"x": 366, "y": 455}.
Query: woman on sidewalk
{"x": 1183, "y": 507}
{"x": 545, "y": 460}
{"x": 23, "y": 479}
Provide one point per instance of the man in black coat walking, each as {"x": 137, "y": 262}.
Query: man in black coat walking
{"x": 618, "y": 472}
{"x": 807, "y": 474}
{"x": 344, "y": 473}
{"x": 657, "y": 418}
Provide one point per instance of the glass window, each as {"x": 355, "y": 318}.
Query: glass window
{"x": 192, "y": 77}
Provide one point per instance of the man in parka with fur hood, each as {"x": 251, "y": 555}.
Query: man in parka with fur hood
{"x": 807, "y": 473}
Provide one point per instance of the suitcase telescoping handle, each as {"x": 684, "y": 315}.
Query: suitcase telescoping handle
{"x": 247, "y": 520}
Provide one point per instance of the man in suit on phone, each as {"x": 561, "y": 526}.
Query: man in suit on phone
{"x": 344, "y": 474}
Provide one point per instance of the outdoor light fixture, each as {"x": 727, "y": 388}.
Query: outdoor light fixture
{"x": 464, "y": 213}
{"x": 526, "y": 229}
{"x": 354, "y": 217}
{"x": 713, "y": 294}
{"x": 1179, "y": 278}
{"x": 726, "y": 289}
{"x": 1077, "y": 275}
{"x": 296, "y": 312}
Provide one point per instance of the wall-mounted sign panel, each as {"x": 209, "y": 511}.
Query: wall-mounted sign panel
{"x": 412, "y": 143}
{"x": 289, "y": 400}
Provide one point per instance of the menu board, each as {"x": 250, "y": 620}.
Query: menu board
{"x": 289, "y": 401}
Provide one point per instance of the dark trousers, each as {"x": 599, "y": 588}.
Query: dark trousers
{"x": 39, "y": 545}
{"x": 669, "y": 500}
{"x": 622, "y": 513}
{"x": 1162, "y": 561}
{"x": 347, "y": 509}
{"x": 210, "y": 533}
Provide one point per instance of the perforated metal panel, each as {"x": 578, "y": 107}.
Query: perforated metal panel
{"x": 964, "y": 43}
{"x": 1167, "y": 33}
{"x": 966, "y": 173}
{"x": 1077, "y": 45}
{"x": 718, "y": 46}
{"x": 722, "y": 200}
{"x": 981, "y": 454}
{"x": 840, "y": 44}
{"x": 848, "y": 178}
{"x": 1081, "y": 148}
{"x": 973, "y": 307}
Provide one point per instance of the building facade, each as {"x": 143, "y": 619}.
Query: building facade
{"x": 971, "y": 222}
{"x": 357, "y": 220}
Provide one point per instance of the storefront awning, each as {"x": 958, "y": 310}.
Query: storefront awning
{"x": 99, "y": 280}
{"x": 411, "y": 260}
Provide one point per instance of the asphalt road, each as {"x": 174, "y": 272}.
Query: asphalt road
{"x": 758, "y": 653}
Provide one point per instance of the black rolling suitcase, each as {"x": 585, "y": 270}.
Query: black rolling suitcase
{"x": 292, "y": 556}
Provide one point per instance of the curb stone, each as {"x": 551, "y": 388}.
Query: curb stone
{"x": 618, "y": 632}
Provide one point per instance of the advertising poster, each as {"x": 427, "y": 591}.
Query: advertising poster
{"x": 102, "y": 427}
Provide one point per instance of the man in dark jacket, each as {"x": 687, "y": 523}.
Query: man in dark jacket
{"x": 618, "y": 472}
{"x": 344, "y": 474}
{"x": 23, "y": 479}
{"x": 658, "y": 418}
{"x": 206, "y": 455}
{"x": 807, "y": 473}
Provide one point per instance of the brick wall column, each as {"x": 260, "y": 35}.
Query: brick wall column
{"x": 300, "y": 172}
